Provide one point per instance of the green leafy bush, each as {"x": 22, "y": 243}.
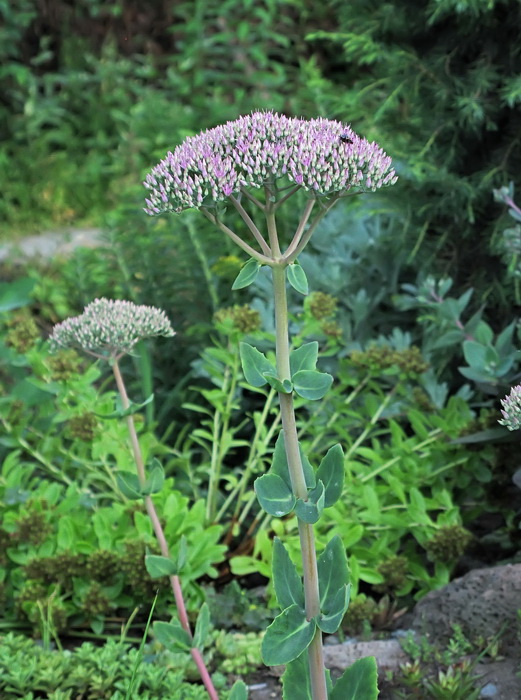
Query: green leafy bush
{"x": 90, "y": 671}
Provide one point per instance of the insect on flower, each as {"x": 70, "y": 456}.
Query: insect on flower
{"x": 346, "y": 139}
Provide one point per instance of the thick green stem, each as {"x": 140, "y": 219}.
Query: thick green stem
{"x": 307, "y": 538}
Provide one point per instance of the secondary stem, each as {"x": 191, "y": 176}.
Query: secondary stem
{"x": 307, "y": 538}
{"x": 160, "y": 535}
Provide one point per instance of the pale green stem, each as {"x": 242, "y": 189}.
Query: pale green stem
{"x": 301, "y": 225}
{"x": 263, "y": 259}
{"x": 292, "y": 191}
{"x": 291, "y": 255}
{"x": 251, "y": 225}
{"x": 160, "y": 535}
{"x": 298, "y": 481}
{"x": 247, "y": 194}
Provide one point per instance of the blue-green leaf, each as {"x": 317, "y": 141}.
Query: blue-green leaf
{"x": 182, "y": 553}
{"x": 158, "y": 566}
{"x": 284, "y": 387}
{"x": 172, "y": 636}
{"x": 279, "y": 464}
{"x": 254, "y": 364}
{"x": 333, "y": 573}
{"x": 311, "y": 384}
{"x": 296, "y": 681}
{"x": 247, "y": 275}
{"x": 202, "y": 626}
{"x": 310, "y": 511}
{"x": 358, "y": 682}
{"x": 274, "y": 495}
{"x": 129, "y": 485}
{"x": 121, "y": 412}
{"x": 239, "y": 691}
{"x": 287, "y": 637}
{"x": 297, "y": 278}
{"x": 280, "y": 467}
{"x": 287, "y": 583}
{"x": 329, "y": 620}
{"x": 475, "y": 353}
{"x": 304, "y": 357}
{"x": 331, "y": 474}
{"x": 309, "y": 472}
{"x": 15, "y": 294}
{"x": 155, "y": 481}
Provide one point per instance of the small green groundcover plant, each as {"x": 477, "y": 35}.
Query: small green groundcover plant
{"x": 317, "y": 162}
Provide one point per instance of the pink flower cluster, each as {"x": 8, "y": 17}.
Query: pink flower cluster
{"x": 321, "y": 155}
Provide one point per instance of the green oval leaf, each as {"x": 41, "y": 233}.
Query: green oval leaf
{"x": 15, "y": 294}
{"x": 155, "y": 481}
{"x": 333, "y": 573}
{"x": 358, "y": 682}
{"x": 274, "y": 495}
{"x": 182, "y": 554}
{"x": 158, "y": 566}
{"x": 254, "y": 365}
{"x": 202, "y": 627}
{"x": 284, "y": 387}
{"x": 331, "y": 474}
{"x": 172, "y": 636}
{"x": 286, "y": 581}
{"x": 280, "y": 467}
{"x": 247, "y": 275}
{"x": 311, "y": 384}
{"x": 475, "y": 354}
{"x": 310, "y": 511}
{"x": 287, "y": 637}
{"x": 239, "y": 691}
{"x": 329, "y": 621}
{"x": 296, "y": 681}
{"x": 129, "y": 485}
{"x": 304, "y": 357}
{"x": 121, "y": 412}
{"x": 297, "y": 278}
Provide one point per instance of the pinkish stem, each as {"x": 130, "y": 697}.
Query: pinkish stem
{"x": 160, "y": 535}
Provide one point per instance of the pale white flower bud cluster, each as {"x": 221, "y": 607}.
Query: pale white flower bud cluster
{"x": 110, "y": 329}
{"x": 512, "y": 409}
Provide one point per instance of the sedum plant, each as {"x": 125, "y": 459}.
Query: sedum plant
{"x": 257, "y": 164}
{"x": 108, "y": 330}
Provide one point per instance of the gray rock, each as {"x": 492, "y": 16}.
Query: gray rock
{"x": 483, "y": 602}
{"x": 48, "y": 245}
{"x": 388, "y": 652}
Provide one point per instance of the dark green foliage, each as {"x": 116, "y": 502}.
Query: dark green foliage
{"x": 438, "y": 83}
{"x": 94, "y": 91}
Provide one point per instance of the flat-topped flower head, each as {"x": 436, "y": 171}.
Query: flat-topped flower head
{"x": 512, "y": 409}
{"x": 109, "y": 329}
{"x": 321, "y": 155}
